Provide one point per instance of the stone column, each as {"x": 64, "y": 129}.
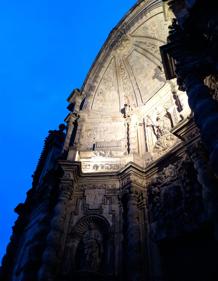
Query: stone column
{"x": 133, "y": 243}
{"x": 53, "y": 252}
{"x": 209, "y": 185}
{"x": 206, "y": 115}
{"x": 74, "y": 148}
{"x": 70, "y": 126}
{"x": 195, "y": 58}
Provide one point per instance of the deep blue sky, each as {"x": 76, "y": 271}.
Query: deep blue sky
{"x": 46, "y": 50}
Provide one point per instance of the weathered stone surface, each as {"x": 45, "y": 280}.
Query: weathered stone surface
{"x": 122, "y": 194}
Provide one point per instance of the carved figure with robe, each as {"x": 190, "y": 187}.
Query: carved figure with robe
{"x": 92, "y": 250}
{"x": 155, "y": 127}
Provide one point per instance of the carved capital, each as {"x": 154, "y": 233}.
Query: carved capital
{"x": 130, "y": 193}
{"x": 70, "y": 172}
{"x": 132, "y": 179}
{"x": 65, "y": 190}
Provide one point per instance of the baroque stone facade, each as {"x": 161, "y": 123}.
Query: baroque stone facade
{"x": 125, "y": 190}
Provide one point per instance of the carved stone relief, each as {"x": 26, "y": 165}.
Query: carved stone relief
{"x": 211, "y": 82}
{"x": 102, "y": 136}
{"x": 94, "y": 197}
{"x": 180, "y": 100}
{"x": 128, "y": 117}
{"x": 105, "y": 166}
{"x": 90, "y": 250}
{"x": 175, "y": 201}
{"x": 102, "y": 185}
{"x": 128, "y": 81}
{"x": 87, "y": 248}
{"x": 159, "y": 139}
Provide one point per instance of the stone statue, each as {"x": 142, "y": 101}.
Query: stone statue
{"x": 92, "y": 249}
{"x": 151, "y": 132}
{"x": 158, "y": 136}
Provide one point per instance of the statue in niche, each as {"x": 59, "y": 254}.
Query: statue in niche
{"x": 167, "y": 139}
{"x": 91, "y": 251}
{"x": 158, "y": 134}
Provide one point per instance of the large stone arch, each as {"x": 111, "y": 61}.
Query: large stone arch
{"x": 129, "y": 56}
{"x": 129, "y": 108}
{"x": 83, "y": 223}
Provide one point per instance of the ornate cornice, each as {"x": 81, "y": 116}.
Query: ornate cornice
{"x": 71, "y": 170}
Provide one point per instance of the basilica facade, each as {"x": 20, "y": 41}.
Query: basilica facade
{"x": 125, "y": 189}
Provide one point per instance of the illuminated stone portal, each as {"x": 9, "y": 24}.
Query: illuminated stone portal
{"x": 121, "y": 195}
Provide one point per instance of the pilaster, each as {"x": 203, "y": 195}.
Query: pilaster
{"x": 70, "y": 126}
{"x": 133, "y": 189}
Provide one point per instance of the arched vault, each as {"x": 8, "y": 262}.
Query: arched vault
{"x": 128, "y": 107}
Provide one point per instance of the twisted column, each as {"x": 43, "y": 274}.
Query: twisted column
{"x": 205, "y": 110}
{"x": 52, "y": 254}
{"x": 195, "y": 58}
{"x": 209, "y": 184}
